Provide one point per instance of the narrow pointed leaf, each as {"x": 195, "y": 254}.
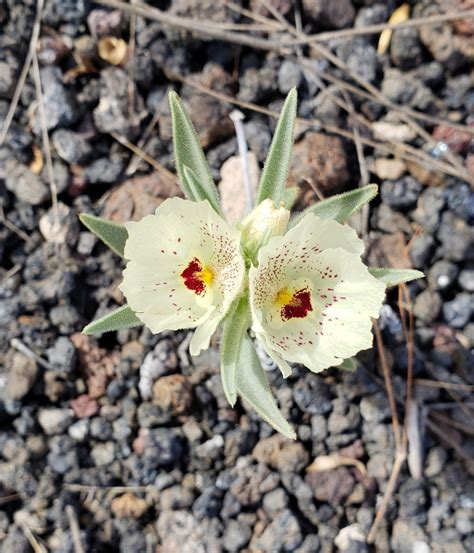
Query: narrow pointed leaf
{"x": 199, "y": 191}
{"x": 112, "y": 234}
{"x": 290, "y": 194}
{"x": 277, "y": 164}
{"x": 235, "y": 328}
{"x": 187, "y": 147}
{"x": 394, "y": 277}
{"x": 252, "y": 385}
{"x": 341, "y": 206}
{"x": 123, "y": 317}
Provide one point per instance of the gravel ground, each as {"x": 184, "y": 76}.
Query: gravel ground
{"x": 124, "y": 443}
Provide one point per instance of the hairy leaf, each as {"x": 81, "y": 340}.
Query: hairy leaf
{"x": 199, "y": 191}
{"x": 187, "y": 148}
{"x": 123, "y": 317}
{"x": 277, "y": 164}
{"x": 112, "y": 234}
{"x": 341, "y": 206}
{"x": 252, "y": 385}
{"x": 235, "y": 328}
{"x": 393, "y": 277}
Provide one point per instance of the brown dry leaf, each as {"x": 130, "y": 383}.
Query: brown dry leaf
{"x": 333, "y": 461}
{"x": 37, "y": 163}
{"x": 231, "y": 187}
{"x": 139, "y": 196}
{"x": 113, "y": 50}
{"x": 400, "y": 15}
{"x": 129, "y": 505}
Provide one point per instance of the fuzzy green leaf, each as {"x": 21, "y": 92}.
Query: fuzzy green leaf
{"x": 394, "y": 277}
{"x": 341, "y": 206}
{"x": 252, "y": 385}
{"x": 199, "y": 191}
{"x": 277, "y": 164}
{"x": 112, "y": 234}
{"x": 187, "y": 148}
{"x": 235, "y": 328}
{"x": 290, "y": 196}
{"x": 123, "y": 317}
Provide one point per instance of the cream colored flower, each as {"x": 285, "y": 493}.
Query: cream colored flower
{"x": 312, "y": 298}
{"x": 184, "y": 269}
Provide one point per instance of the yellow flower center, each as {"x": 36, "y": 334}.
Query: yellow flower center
{"x": 207, "y": 276}
{"x": 284, "y": 297}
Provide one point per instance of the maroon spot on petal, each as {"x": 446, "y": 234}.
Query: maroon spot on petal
{"x": 192, "y": 277}
{"x": 298, "y": 307}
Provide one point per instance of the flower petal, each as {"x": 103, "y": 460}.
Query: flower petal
{"x": 184, "y": 268}
{"x": 313, "y": 305}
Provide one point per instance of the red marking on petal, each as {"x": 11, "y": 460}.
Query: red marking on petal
{"x": 192, "y": 277}
{"x": 299, "y": 306}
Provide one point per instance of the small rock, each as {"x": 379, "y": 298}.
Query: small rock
{"x": 236, "y": 535}
{"x": 173, "y": 393}
{"x": 421, "y": 250}
{"x": 311, "y": 395}
{"x": 405, "y": 48}
{"x": 71, "y": 146}
{"x": 397, "y": 132}
{"x": 400, "y": 194}
{"x": 413, "y": 501}
{"x": 275, "y": 501}
{"x": 461, "y": 201}
{"x": 333, "y": 486}
{"x": 427, "y": 306}
{"x": 103, "y": 454}
{"x": 428, "y": 210}
{"x": 442, "y": 275}
{"x": 405, "y": 534}
{"x": 375, "y": 408}
{"x": 335, "y": 14}
{"x": 456, "y": 237}
{"x": 24, "y": 184}
{"x": 458, "y": 312}
{"x": 62, "y": 355}
{"x": 391, "y": 221}
{"x": 55, "y": 421}
{"x": 456, "y": 140}
{"x": 282, "y": 534}
{"x": 128, "y": 505}
{"x": 84, "y": 407}
{"x": 289, "y": 76}
{"x": 385, "y": 169}
{"x": 466, "y": 279}
{"x": 21, "y": 376}
{"x": 59, "y": 225}
{"x": 79, "y": 431}
{"x": 137, "y": 197}
{"x": 59, "y": 104}
{"x": 162, "y": 447}
{"x": 103, "y": 170}
{"x": 7, "y": 80}
{"x": 320, "y": 159}
{"x": 360, "y": 56}
{"x": 281, "y": 453}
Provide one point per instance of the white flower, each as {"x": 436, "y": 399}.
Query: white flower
{"x": 312, "y": 298}
{"x": 184, "y": 269}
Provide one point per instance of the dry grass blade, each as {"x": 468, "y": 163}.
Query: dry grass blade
{"x": 75, "y": 530}
{"x": 37, "y": 546}
{"x": 11, "y": 226}
{"x": 446, "y": 385}
{"x": 24, "y": 71}
{"x": 450, "y": 422}
{"x": 45, "y": 137}
{"x": 143, "y": 155}
{"x": 378, "y": 28}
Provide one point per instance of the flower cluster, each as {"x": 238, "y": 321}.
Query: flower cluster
{"x": 296, "y": 285}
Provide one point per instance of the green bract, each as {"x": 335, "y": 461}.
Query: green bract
{"x": 298, "y": 285}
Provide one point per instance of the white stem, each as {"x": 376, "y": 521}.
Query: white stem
{"x": 237, "y": 118}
